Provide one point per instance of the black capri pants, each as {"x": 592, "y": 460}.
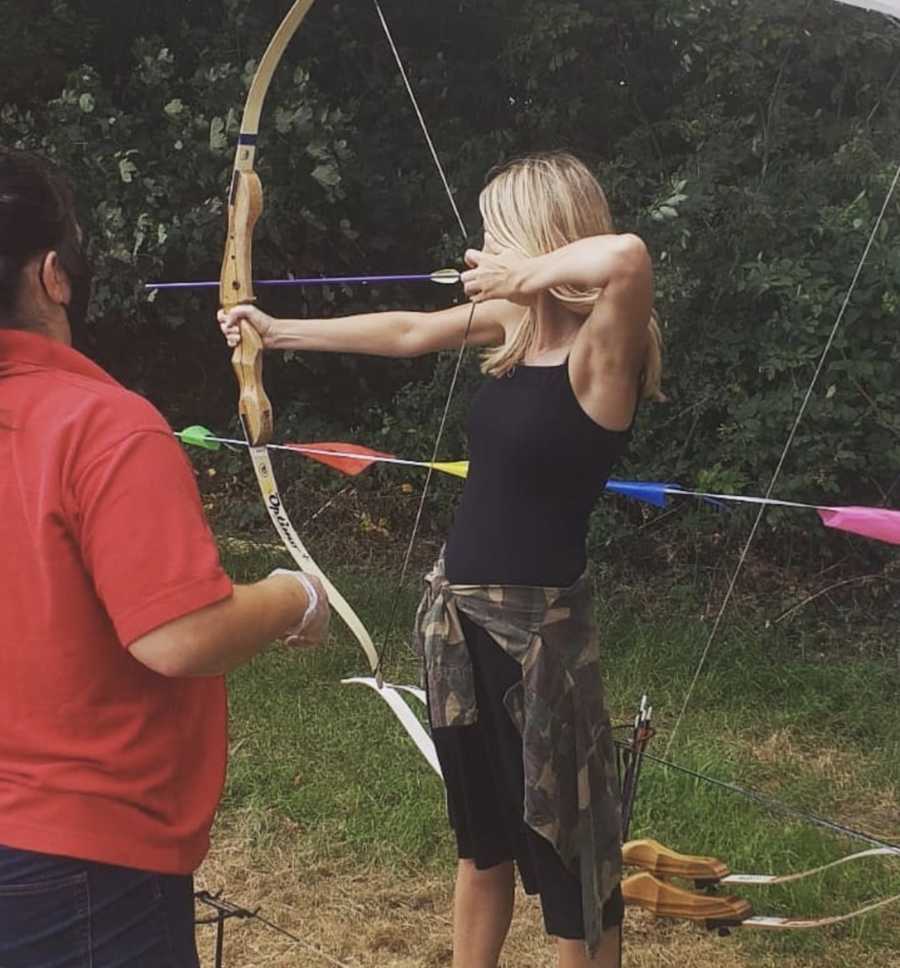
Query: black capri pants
{"x": 485, "y": 781}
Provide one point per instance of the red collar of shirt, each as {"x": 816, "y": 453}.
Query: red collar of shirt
{"x": 21, "y": 347}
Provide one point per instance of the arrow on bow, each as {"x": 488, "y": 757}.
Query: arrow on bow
{"x": 442, "y": 277}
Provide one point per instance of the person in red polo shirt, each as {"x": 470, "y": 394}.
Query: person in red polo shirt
{"x": 117, "y": 625}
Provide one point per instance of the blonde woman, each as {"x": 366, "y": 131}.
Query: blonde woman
{"x": 564, "y": 310}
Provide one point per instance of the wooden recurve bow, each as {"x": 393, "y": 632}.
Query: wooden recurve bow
{"x": 651, "y": 888}
{"x": 245, "y": 205}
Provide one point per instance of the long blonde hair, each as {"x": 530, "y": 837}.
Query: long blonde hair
{"x": 539, "y": 204}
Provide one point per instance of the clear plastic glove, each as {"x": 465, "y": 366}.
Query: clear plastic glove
{"x": 313, "y": 628}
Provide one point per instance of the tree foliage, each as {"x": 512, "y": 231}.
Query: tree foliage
{"x": 752, "y": 144}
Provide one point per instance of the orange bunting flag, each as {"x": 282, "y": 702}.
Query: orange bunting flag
{"x": 350, "y": 459}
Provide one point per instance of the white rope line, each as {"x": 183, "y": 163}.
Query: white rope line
{"x": 421, "y": 117}
{"x": 462, "y": 349}
{"x": 311, "y": 948}
{"x": 421, "y": 508}
{"x": 784, "y": 453}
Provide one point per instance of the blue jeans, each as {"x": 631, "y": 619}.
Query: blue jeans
{"x": 56, "y": 912}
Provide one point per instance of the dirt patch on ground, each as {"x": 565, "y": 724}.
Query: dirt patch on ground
{"x": 346, "y": 915}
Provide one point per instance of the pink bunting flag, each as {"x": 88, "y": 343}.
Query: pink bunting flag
{"x": 882, "y": 524}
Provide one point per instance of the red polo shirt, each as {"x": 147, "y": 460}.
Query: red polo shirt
{"x": 102, "y": 540}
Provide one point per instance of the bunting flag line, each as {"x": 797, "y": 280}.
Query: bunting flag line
{"x": 353, "y": 459}
{"x": 880, "y": 524}
{"x": 350, "y": 459}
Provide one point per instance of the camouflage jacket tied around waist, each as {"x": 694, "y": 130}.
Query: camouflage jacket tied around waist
{"x": 571, "y": 783}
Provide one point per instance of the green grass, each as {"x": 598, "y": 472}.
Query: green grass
{"x": 820, "y": 735}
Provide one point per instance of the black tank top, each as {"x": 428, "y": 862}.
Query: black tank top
{"x": 538, "y": 463}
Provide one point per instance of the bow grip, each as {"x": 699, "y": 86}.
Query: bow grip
{"x": 245, "y": 205}
{"x": 254, "y": 406}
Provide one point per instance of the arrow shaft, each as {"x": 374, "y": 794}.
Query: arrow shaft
{"x": 448, "y": 278}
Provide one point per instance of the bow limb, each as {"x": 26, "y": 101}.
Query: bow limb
{"x": 766, "y": 880}
{"x": 407, "y": 718}
{"x": 268, "y": 487}
{"x": 802, "y": 924}
{"x": 245, "y": 205}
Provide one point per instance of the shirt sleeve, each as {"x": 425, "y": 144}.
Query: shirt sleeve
{"x": 143, "y": 535}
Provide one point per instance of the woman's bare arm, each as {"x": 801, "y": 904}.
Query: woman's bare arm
{"x": 609, "y": 352}
{"x": 394, "y": 334}
{"x": 503, "y": 274}
{"x": 214, "y": 640}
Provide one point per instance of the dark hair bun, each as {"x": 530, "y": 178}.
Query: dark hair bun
{"x": 37, "y": 214}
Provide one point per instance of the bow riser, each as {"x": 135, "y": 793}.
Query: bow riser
{"x": 245, "y": 206}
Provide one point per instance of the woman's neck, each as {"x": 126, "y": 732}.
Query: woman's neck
{"x": 556, "y": 329}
